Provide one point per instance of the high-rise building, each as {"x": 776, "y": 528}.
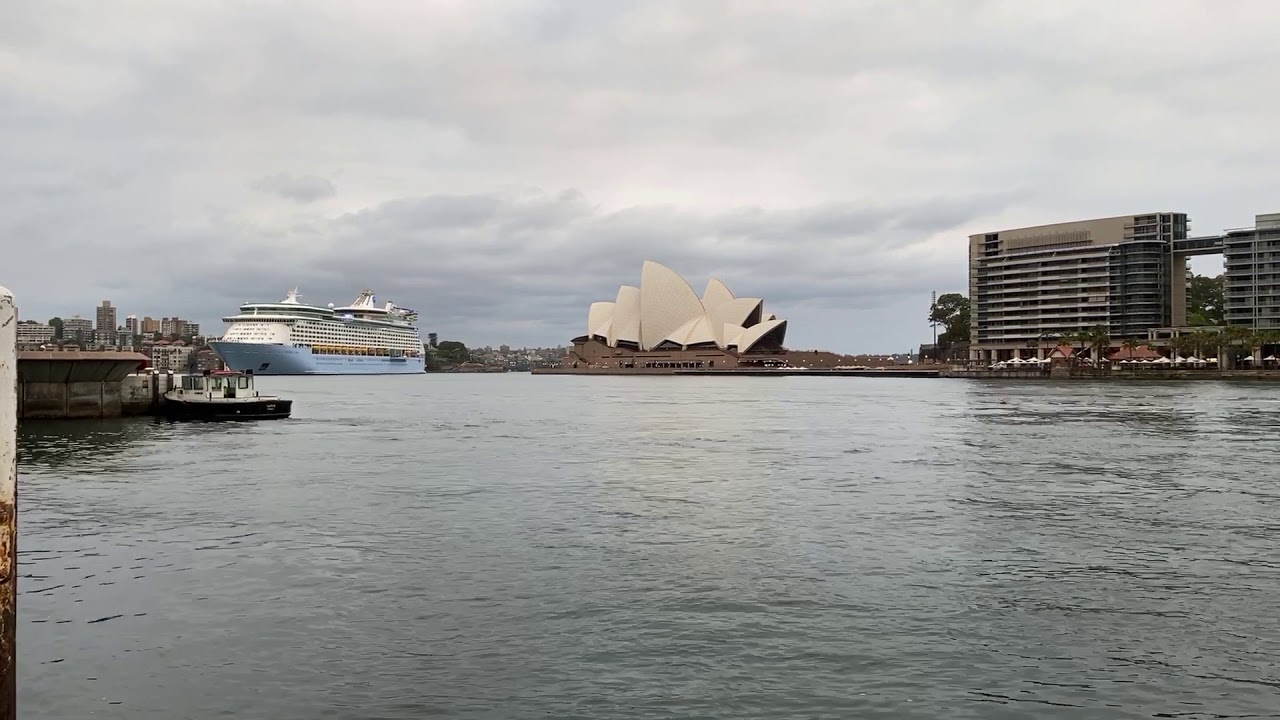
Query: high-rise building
{"x": 131, "y": 327}
{"x": 177, "y": 326}
{"x": 1028, "y": 286}
{"x": 149, "y": 326}
{"x": 106, "y": 317}
{"x": 1252, "y": 288}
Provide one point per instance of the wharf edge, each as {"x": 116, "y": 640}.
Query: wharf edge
{"x": 8, "y": 506}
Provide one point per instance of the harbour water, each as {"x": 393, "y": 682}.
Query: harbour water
{"x": 479, "y": 546}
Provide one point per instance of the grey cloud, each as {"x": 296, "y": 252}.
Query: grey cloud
{"x": 828, "y": 156}
{"x": 468, "y": 261}
{"x": 298, "y": 188}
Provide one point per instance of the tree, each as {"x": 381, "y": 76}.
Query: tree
{"x": 1098, "y": 339}
{"x": 56, "y": 323}
{"x": 452, "y": 351}
{"x": 1205, "y": 301}
{"x": 1203, "y": 342}
{"x": 951, "y": 311}
{"x": 1181, "y": 345}
{"x": 1130, "y": 345}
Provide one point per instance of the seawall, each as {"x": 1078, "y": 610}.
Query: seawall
{"x": 67, "y": 385}
{"x": 750, "y": 372}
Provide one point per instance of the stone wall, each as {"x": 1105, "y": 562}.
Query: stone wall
{"x": 134, "y": 395}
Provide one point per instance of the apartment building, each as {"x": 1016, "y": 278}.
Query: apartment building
{"x": 170, "y": 357}
{"x": 77, "y": 329}
{"x": 1029, "y": 285}
{"x": 1252, "y": 288}
{"x": 106, "y": 317}
{"x": 31, "y": 333}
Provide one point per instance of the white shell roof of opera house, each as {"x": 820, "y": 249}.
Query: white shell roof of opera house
{"x": 666, "y": 309}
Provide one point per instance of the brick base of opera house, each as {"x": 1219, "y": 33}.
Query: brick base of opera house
{"x": 594, "y": 357}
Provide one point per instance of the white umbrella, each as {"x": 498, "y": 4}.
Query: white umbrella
{"x": 1212, "y": 360}
{"x": 1270, "y": 358}
{"x": 1162, "y": 360}
{"x": 1195, "y": 360}
{"x": 1247, "y": 358}
{"x": 1181, "y": 360}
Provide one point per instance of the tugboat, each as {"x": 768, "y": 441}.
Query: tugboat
{"x": 222, "y": 395}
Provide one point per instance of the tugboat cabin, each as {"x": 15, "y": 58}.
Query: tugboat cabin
{"x": 219, "y": 384}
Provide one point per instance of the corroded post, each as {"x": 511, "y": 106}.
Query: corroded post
{"x": 8, "y": 506}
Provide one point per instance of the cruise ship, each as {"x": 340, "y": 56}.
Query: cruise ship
{"x": 293, "y": 338}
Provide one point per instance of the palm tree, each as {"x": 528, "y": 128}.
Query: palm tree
{"x": 1099, "y": 339}
{"x": 1074, "y": 337}
{"x": 1130, "y": 345}
{"x": 1067, "y": 338}
{"x": 1268, "y": 338}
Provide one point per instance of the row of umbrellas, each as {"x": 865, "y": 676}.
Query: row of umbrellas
{"x": 1157, "y": 361}
{"x": 1175, "y": 361}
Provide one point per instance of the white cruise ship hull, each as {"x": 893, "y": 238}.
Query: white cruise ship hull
{"x": 278, "y": 359}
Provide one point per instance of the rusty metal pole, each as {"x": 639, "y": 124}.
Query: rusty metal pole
{"x": 8, "y": 506}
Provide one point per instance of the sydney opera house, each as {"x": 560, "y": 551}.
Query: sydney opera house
{"x": 664, "y": 325}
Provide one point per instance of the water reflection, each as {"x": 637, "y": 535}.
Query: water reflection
{"x": 84, "y": 445}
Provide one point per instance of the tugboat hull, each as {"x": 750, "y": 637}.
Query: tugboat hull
{"x": 265, "y": 409}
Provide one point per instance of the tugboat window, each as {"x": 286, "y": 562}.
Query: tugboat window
{"x": 243, "y": 383}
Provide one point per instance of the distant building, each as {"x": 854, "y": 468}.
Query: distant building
{"x": 31, "y": 332}
{"x": 170, "y": 357}
{"x": 77, "y": 329}
{"x": 504, "y": 348}
{"x": 1030, "y": 285}
{"x": 106, "y": 317}
{"x": 433, "y": 340}
{"x": 206, "y": 359}
{"x": 131, "y": 325}
{"x": 149, "y": 326}
{"x": 178, "y": 326}
{"x": 1128, "y": 274}
{"x": 1252, "y": 258}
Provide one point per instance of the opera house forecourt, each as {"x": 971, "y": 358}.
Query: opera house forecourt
{"x": 664, "y": 326}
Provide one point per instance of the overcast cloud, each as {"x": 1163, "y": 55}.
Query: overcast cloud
{"x": 500, "y": 165}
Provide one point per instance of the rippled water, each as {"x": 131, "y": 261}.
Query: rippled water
{"x": 517, "y": 546}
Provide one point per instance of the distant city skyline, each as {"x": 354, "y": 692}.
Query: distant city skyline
{"x": 497, "y": 166}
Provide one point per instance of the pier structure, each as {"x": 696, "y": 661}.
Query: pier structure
{"x": 72, "y": 384}
{"x": 8, "y": 506}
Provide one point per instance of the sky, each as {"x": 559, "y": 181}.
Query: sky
{"x": 500, "y": 165}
